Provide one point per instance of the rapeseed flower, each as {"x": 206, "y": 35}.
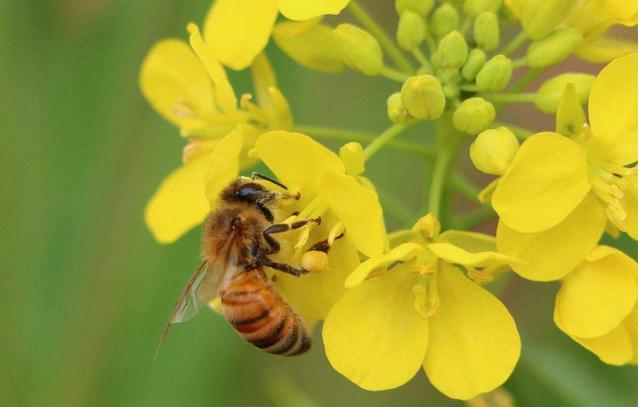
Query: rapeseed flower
{"x": 418, "y": 309}
{"x": 238, "y": 30}
{"x": 557, "y": 196}
{"x": 188, "y": 87}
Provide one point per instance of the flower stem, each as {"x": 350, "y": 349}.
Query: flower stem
{"x": 384, "y": 138}
{"x": 445, "y": 150}
{"x": 510, "y": 97}
{"x": 392, "y": 74}
{"x": 520, "y": 132}
{"x": 360, "y": 14}
{"x": 514, "y": 44}
{"x": 464, "y": 186}
{"x": 422, "y": 59}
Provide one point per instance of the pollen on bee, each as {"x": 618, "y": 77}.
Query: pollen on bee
{"x": 315, "y": 261}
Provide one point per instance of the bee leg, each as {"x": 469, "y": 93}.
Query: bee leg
{"x": 323, "y": 245}
{"x": 284, "y": 268}
{"x": 283, "y": 227}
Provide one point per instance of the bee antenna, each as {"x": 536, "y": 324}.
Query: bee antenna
{"x": 255, "y": 175}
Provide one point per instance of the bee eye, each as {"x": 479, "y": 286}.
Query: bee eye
{"x": 250, "y": 192}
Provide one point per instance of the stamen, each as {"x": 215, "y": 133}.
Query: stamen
{"x": 479, "y": 276}
{"x": 184, "y": 110}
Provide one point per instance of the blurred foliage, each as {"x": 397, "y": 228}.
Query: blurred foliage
{"x": 85, "y": 290}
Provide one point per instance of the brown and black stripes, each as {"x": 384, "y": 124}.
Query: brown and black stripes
{"x": 260, "y": 315}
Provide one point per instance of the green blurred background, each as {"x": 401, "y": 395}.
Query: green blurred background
{"x": 85, "y": 290}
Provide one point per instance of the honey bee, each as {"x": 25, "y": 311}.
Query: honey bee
{"x": 236, "y": 245}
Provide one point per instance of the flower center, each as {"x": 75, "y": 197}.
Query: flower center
{"x": 610, "y": 182}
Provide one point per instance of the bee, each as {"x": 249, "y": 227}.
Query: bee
{"x": 236, "y": 246}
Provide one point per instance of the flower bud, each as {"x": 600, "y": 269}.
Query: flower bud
{"x": 309, "y": 43}
{"x": 541, "y": 17}
{"x": 444, "y": 20}
{"x": 493, "y": 150}
{"x": 548, "y": 94}
{"x": 473, "y": 8}
{"x": 423, "y": 97}
{"x": 570, "y": 118}
{"x": 396, "y": 111}
{"x": 474, "y": 115}
{"x": 410, "y": 30}
{"x": 495, "y": 74}
{"x": 486, "y": 31}
{"x": 452, "y": 50}
{"x": 554, "y": 48}
{"x": 360, "y": 51}
{"x": 428, "y": 226}
{"x": 420, "y": 7}
{"x": 352, "y": 156}
{"x": 475, "y": 62}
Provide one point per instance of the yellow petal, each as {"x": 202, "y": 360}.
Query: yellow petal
{"x": 555, "y": 252}
{"x": 358, "y": 208}
{"x": 314, "y": 294}
{"x": 224, "y": 164}
{"x": 545, "y": 182}
{"x": 263, "y": 78}
{"x": 631, "y": 325}
{"x": 470, "y": 241}
{"x": 621, "y": 11}
{"x": 179, "y": 204}
{"x": 613, "y": 111}
{"x": 486, "y": 194}
{"x": 456, "y": 255}
{"x": 473, "y": 341}
{"x": 305, "y": 10}
{"x": 373, "y": 335}
{"x": 224, "y": 95}
{"x": 630, "y": 206}
{"x": 615, "y": 347}
{"x": 604, "y": 49}
{"x": 296, "y": 159}
{"x": 239, "y": 29}
{"x": 176, "y": 84}
{"x": 402, "y": 253}
{"x": 598, "y": 295}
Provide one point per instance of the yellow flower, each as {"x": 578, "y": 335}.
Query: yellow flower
{"x": 345, "y": 202}
{"x": 238, "y": 30}
{"x": 418, "y": 309}
{"x": 556, "y": 197}
{"x": 597, "y": 305}
{"x": 189, "y": 88}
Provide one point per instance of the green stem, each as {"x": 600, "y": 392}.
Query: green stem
{"x": 520, "y": 132}
{"x": 464, "y": 186}
{"x": 519, "y": 63}
{"x": 525, "y": 80}
{"x": 473, "y": 219}
{"x": 392, "y": 74}
{"x": 431, "y": 43}
{"x": 510, "y": 97}
{"x": 514, "y": 44}
{"x": 447, "y": 145}
{"x": 360, "y": 14}
{"x": 384, "y": 138}
{"x": 469, "y": 88}
{"x": 422, "y": 59}
{"x": 365, "y": 138}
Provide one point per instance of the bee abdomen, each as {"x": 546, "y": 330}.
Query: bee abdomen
{"x": 262, "y": 318}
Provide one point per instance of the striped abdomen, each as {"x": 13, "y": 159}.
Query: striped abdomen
{"x": 260, "y": 315}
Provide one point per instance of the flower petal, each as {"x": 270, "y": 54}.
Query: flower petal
{"x": 239, "y": 29}
{"x": 473, "y": 341}
{"x": 598, "y": 295}
{"x": 305, "y": 9}
{"x": 224, "y": 164}
{"x": 403, "y": 252}
{"x": 615, "y": 347}
{"x": 486, "y": 194}
{"x": 604, "y": 49}
{"x": 630, "y": 206}
{"x": 545, "y": 182}
{"x": 456, "y": 255}
{"x": 314, "y": 294}
{"x": 297, "y": 159}
{"x": 555, "y": 252}
{"x": 613, "y": 111}
{"x": 470, "y": 241}
{"x": 358, "y": 207}
{"x": 373, "y": 335}
{"x": 179, "y": 204}
{"x": 175, "y": 83}
{"x": 620, "y": 11}
{"x": 225, "y": 97}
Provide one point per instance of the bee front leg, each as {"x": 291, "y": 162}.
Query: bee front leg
{"x": 284, "y": 268}
{"x": 283, "y": 227}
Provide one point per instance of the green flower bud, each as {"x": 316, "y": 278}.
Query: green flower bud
{"x": 410, "y": 30}
{"x": 495, "y": 74}
{"x": 473, "y": 8}
{"x": 309, "y": 43}
{"x": 554, "y": 48}
{"x": 548, "y": 96}
{"x": 352, "y": 155}
{"x": 360, "y": 51}
{"x": 493, "y": 150}
{"x": 453, "y": 50}
{"x": 444, "y": 20}
{"x": 420, "y": 7}
{"x": 396, "y": 111}
{"x": 541, "y": 17}
{"x": 423, "y": 97}
{"x": 486, "y": 31}
{"x": 475, "y": 62}
{"x": 570, "y": 117}
{"x": 474, "y": 115}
